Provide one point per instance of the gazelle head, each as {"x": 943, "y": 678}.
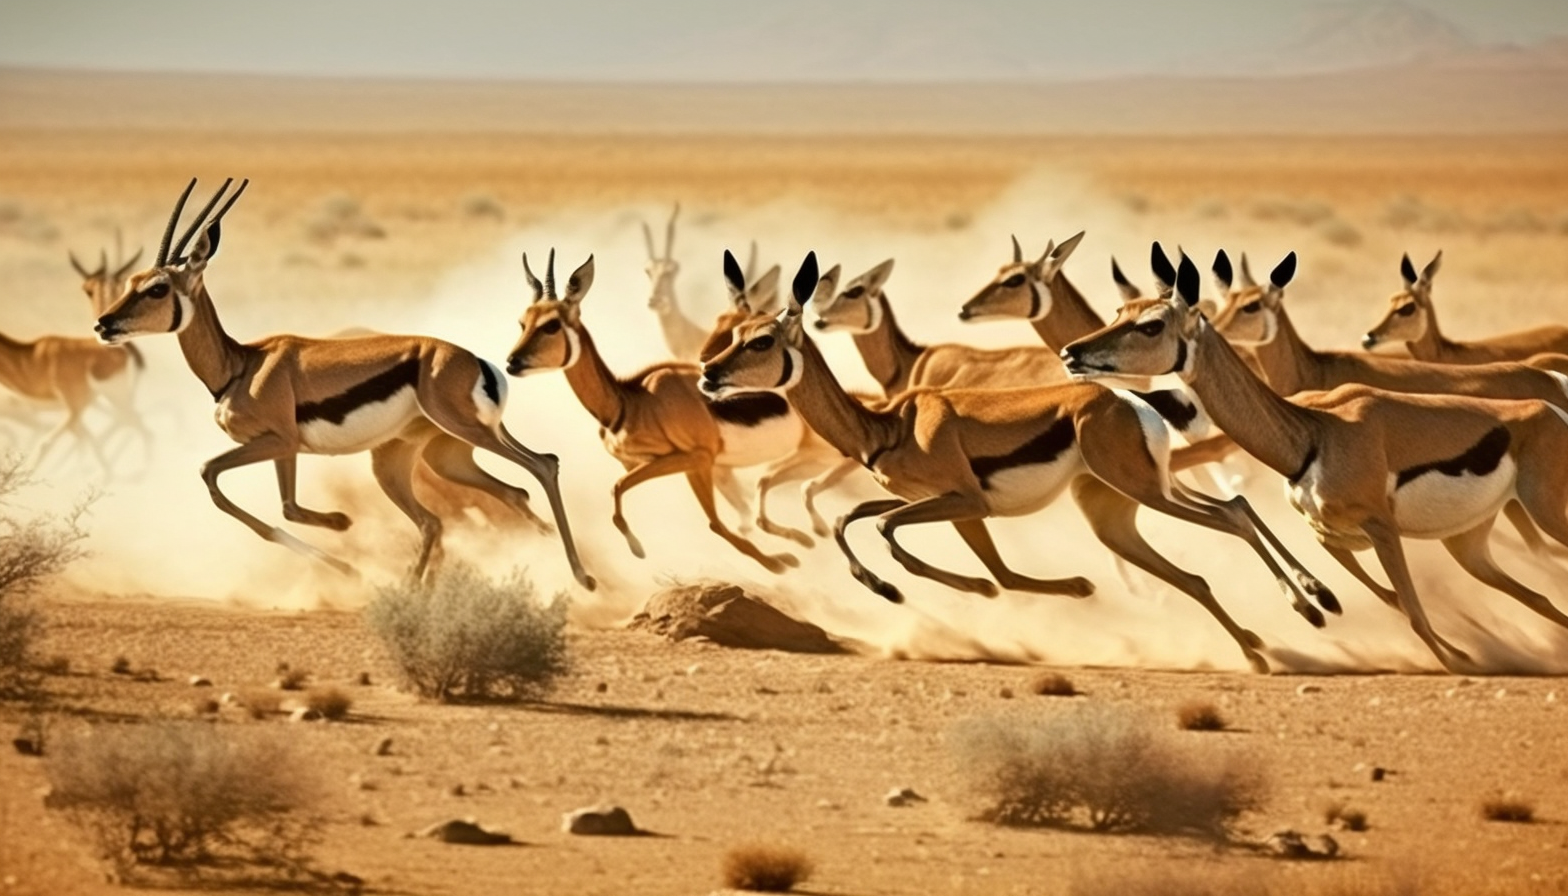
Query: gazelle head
{"x": 1409, "y": 310}
{"x": 1251, "y": 312}
{"x": 102, "y": 284}
{"x": 552, "y": 325}
{"x": 1153, "y": 337}
{"x": 766, "y": 353}
{"x": 858, "y": 309}
{"x": 760, "y": 296}
{"x": 1021, "y": 288}
{"x": 160, "y": 299}
{"x": 662, "y": 268}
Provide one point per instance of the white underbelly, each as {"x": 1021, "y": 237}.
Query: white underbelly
{"x": 1021, "y": 490}
{"x": 1436, "y": 506}
{"x": 768, "y": 441}
{"x": 363, "y": 428}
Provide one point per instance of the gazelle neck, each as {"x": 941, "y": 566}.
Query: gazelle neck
{"x": 1070, "y": 316}
{"x": 682, "y": 335}
{"x": 214, "y": 356}
{"x": 846, "y": 424}
{"x": 1265, "y": 425}
{"x": 1432, "y": 346}
{"x": 1288, "y": 364}
{"x": 593, "y": 383}
{"x": 889, "y": 354}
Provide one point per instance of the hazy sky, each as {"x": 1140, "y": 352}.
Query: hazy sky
{"x": 687, "y": 39}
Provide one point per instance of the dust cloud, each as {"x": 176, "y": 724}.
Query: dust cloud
{"x": 155, "y": 530}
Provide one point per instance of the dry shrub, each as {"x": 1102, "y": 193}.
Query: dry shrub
{"x": 765, "y": 869}
{"x": 339, "y": 217}
{"x": 33, "y": 549}
{"x": 462, "y": 636}
{"x": 292, "y": 679}
{"x": 1338, "y": 232}
{"x": 1052, "y": 684}
{"x": 261, "y": 702}
{"x": 1104, "y": 768}
{"x": 186, "y": 794}
{"x": 1508, "y": 807}
{"x": 1198, "y": 715}
{"x": 1349, "y": 819}
{"x": 481, "y": 205}
{"x": 332, "y": 703}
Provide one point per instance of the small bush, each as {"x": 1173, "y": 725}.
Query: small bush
{"x": 292, "y": 679}
{"x": 32, "y": 550}
{"x": 1508, "y": 807}
{"x": 332, "y": 703}
{"x": 480, "y": 205}
{"x": 463, "y": 636}
{"x": 765, "y": 869}
{"x": 1103, "y": 768}
{"x": 1347, "y": 818}
{"x": 1052, "y": 684}
{"x": 1200, "y": 716}
{"x": 173, "y": 794}
{"x": 260, "y": 703}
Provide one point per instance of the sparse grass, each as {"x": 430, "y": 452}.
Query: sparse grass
{"x": 1510, "y": 807}
{"x": 1198, "y": 715}
{"x": 182, "y": 795}
{"x": 340, "y": 217}
{"x": 33, "y": 549}
{"x": 1104, "y": 768}
{"x": 483, "y": 206}
{"x": 1052, "y": 684}
{"x": 333, "y": 703}
{"x": 760, "y": 868}
{"x": 465, "y": 637}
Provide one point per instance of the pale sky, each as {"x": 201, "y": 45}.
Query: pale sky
{"x": 694, "y": 40}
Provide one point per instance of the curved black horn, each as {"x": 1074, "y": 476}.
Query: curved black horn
{"x": 533, "y": 281}
{"x": 178, "y": 252}
{"x": 80, "y": 269}
{"x": 168, "y": 230}
{"x": 549, "y": 275}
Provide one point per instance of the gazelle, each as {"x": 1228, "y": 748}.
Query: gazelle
{"x": 655, "y": 422}
{"x": 964, "y": 455}
{"x": 1362, "y": 465}
{"x": 402, "y": 398}
{"x": 118, "y": 384}
{"x": 682, "y": 335}
{"x": 1412, "y": 319}
{"x": 899, "y": 363}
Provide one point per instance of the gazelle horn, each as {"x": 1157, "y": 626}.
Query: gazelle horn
{"x": 168, "y": 230}
{"x": 178, "y": 251}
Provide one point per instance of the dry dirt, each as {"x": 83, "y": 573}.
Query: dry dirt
{"x": 710, "y": 747}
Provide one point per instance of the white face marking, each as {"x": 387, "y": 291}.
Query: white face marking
{"x": 364, "y": 428}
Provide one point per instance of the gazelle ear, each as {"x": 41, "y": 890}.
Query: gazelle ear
{"x": 1058, "y": 256}
{"x": 1430, "y": 271}
{"x": 577, "y": 285}
{"x": 1123, "y": 285}
{"x": 1164, "y": 271}
{"x": 1283, "y": 272}
{"x": 762, "y": 296}
{"x": 804, "y": 285}
{"x": 876, "y": 278}
{"x": 733, "y": 275}
{"x": 1187, "y": 281}
{"x": 827, "y": 285}
{"x": 1208, "y": 308}
{"x": 206, "y": 247}
{"x": 1224, "y": 275}
{"x": 1408, "y": 270}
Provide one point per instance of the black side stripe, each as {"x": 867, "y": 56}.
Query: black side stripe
{"x": 492, "y": 388}
{"x": 1481, "y": 459}
{"x": 1172, "y": 406}
{"x": 1042, "y": 449}
{"x": 1306, "y": 463}
{"x": 378, "y": 388}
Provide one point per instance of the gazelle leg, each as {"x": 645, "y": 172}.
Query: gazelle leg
{"x": 297, "y": 514}
{"x": 1470, "y": 548}
{"x": 936, "y": 509}
{"x": 1253, "y": 527}
{"x": 393, "y": 463}
{"x": 821, "y": 484}
{"x": 978, "y": 537}
{"x": 1348, "y": 560}
{"x": 856, "y": 568}
{"x": 453, "y": 460}
{"x": 259, "y": 450}
{"x": 729, "y": 488}
{"x": 797, "y": 466}
{"x": 1113, "y": 517}
{"x": 668, "y": 465}
{"x": 701, "y": 479}
{"x": 1391, "y": 553}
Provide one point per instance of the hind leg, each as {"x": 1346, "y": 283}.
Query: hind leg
{"x": 857, "y": 569}
{"x": 453, "y": 460}
{"x": 701, "y": 479}
{"x": 821, "y": 484}
{"x": 1474, "y": 554}
{"x": 798, "y": 466}
{"x": 286, "y": 468}
{"x": 978, "y": 537}
{"x": 393, "y": 463}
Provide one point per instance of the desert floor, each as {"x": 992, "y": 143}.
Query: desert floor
{"x": 710, "y": 747}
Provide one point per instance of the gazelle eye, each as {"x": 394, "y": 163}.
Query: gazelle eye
{"x": 1151, "y": 328}
{"x": 1251, "y": 308}
{"x": 553, "y": 325}
{"x": 855, "y": 292}
{"x": 760, "y": 344}
{"x": 1014, "y": 281}
{"x": 1406, "y": 310}
{"x": 157, "y": 291}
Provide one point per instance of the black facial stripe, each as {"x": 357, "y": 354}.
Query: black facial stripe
{"x": 789, "y": 370}
{"x": 335, "y": 409}
{"x": 1181, "y": 356}
{"x": 1306, "y": 462}
{"x": 179, "y": 314}
{"x": 1034, "y": 300}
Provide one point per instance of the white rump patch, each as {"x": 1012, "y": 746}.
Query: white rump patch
{"x": 489, "y": 412}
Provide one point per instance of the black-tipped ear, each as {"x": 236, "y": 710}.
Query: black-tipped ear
{"x": 1117, "y": 275}
{"x": 1408, "y": 270}
{"x": 214, "y": 231}
{"x": 733, "y": 274}
{"x": 1222, "y": 269}
{"x": 805, "y": 279}
{"x": 1187, "y": 282}
{"x": 1163, "y": 271}
{"x": 1284, "y": 271}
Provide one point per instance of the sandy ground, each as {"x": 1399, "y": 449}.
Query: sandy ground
{"x": 683, "y": 735}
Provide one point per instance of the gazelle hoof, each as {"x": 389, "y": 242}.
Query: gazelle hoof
{"x": 1258, "y": 663}
{"x": 777, "y": 563}
{"x": 1312, "y": 614}
{"x": 636, "y": 547}
{"x": 1078, "y": 586}
{"x": 886, "y": 591}
{"x": 589, "y": 582}
{"x": 337, "y": 522}
{"x": 1251, "y": 641}
{"x": 1326, "y": 599}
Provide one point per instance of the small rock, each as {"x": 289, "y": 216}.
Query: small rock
{"x": 1551, "y": 696}
{"x": 362, "y": 679}
{"x": 1501, "y": 693}
{"x": 351, "y": 882}
{"x": 1293, "y": 845}
{"x": 200, "y": 681}
{"x": 601, "y": 687}
{"x": 902, "y": 796}
{"x": 1006, "y": 693}
{"x": 599, "y": 821}
{"x": 1304, "y": 689}
{"x": 1379, "y": 773}
{"x": 27, "y": 746}
{"x": 383, "y": 747}
{"x": 828, "y": 804}
{"x": 456, "y": 790}
{"x": 304, "y": 714}
{"x": 228, "y": 698}
{"x": 206, "y": 706}
{"x": 122, "y": 666}
{"x": 465, "y": 832}
{"x": 693, "y": 669}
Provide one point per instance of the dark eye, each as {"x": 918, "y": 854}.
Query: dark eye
{"x": 1406, "y": 310}
{"x": 760, "y": 344}
{"x": 1251, "y": 308}
{"x": 1014, "y": 281}
{"x": 1151, "y": 328}
{"x": 553, "y": 325}
{"x": 854, "y": 292}
{"x": 157, "y": 291}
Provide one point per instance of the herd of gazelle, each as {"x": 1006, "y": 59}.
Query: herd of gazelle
{"x": 1373, "y": 448}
